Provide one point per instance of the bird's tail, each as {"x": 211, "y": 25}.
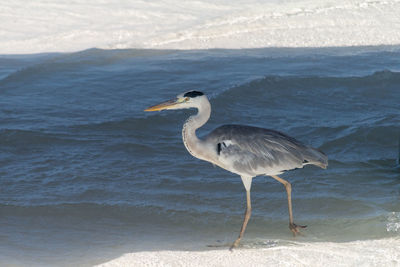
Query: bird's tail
{"x": 316, "y": 157}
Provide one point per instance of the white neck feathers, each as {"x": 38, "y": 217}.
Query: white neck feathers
{"x": 193, "y": 144}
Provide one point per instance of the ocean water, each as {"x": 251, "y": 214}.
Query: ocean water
{"x": 86, "y": 175}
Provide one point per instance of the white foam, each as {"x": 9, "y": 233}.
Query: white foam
{"x": 63, "y": 25}
{"x": 383, "y": 252}
{"x": 393, "y": 224}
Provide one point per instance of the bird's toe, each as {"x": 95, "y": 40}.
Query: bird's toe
{"x": 296, "y": 228}
{"x": 235, "y": 244}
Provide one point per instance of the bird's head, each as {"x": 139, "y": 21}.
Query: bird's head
{"x": 189, "y": 99}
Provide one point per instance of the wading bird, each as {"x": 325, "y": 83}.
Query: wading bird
{"x": 245, "y": 150}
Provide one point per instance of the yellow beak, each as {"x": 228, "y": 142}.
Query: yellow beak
{"x": 163, "y": 105}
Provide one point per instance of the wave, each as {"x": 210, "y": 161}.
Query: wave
{"x": 51, "y": 64}
{"x": 15, "y": 137}
{"x": 368, "y": 84}
{"x": 308, "y": 106}
{"x": 310, "y": 94}
{"x": 381, "y": 136}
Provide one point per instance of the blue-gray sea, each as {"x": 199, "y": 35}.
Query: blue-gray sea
{"x": 86, "y": 175}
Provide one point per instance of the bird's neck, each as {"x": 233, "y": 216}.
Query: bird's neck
{"x": 193, "y": 144}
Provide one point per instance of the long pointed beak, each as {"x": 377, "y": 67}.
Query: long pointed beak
{"x": 163, "y": 105}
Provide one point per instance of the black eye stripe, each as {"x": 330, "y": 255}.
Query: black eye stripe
{"x": 193, "y": 94}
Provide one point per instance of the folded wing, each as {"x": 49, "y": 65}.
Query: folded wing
{"x": 255, "y": 151}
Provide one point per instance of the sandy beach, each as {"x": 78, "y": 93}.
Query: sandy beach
{"x": 384, "y": 252}
{"x": 43, "y": 26}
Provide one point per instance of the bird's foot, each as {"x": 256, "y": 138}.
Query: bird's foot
{"x": 235, "y": 244}
{"x": 296, "y": 228}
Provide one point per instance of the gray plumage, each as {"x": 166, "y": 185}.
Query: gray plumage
{"x": 258, "y": 151}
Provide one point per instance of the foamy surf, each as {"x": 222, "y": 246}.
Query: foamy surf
{"x": 384, "y": 252}
{"x": 45, "y": 26}
{"x": 393, "y": 224}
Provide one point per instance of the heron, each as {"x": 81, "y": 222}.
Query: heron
{"x": 244, "y": 150}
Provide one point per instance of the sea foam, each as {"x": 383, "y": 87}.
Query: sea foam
{"x": 393, "y": 224}
{"x": 45, "y": 26}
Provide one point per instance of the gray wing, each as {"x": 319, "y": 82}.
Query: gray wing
{"x": 254, "y": 151}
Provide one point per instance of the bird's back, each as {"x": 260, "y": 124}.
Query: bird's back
{"x": 252, "y": 151}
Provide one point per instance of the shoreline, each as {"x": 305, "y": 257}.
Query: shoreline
{"x": 382, "y": 252}
{"x": 43, "y": 26}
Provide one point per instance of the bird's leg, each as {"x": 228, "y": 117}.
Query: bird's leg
{"x": 292, "y": 226}
{"x": 247, "y": 215}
